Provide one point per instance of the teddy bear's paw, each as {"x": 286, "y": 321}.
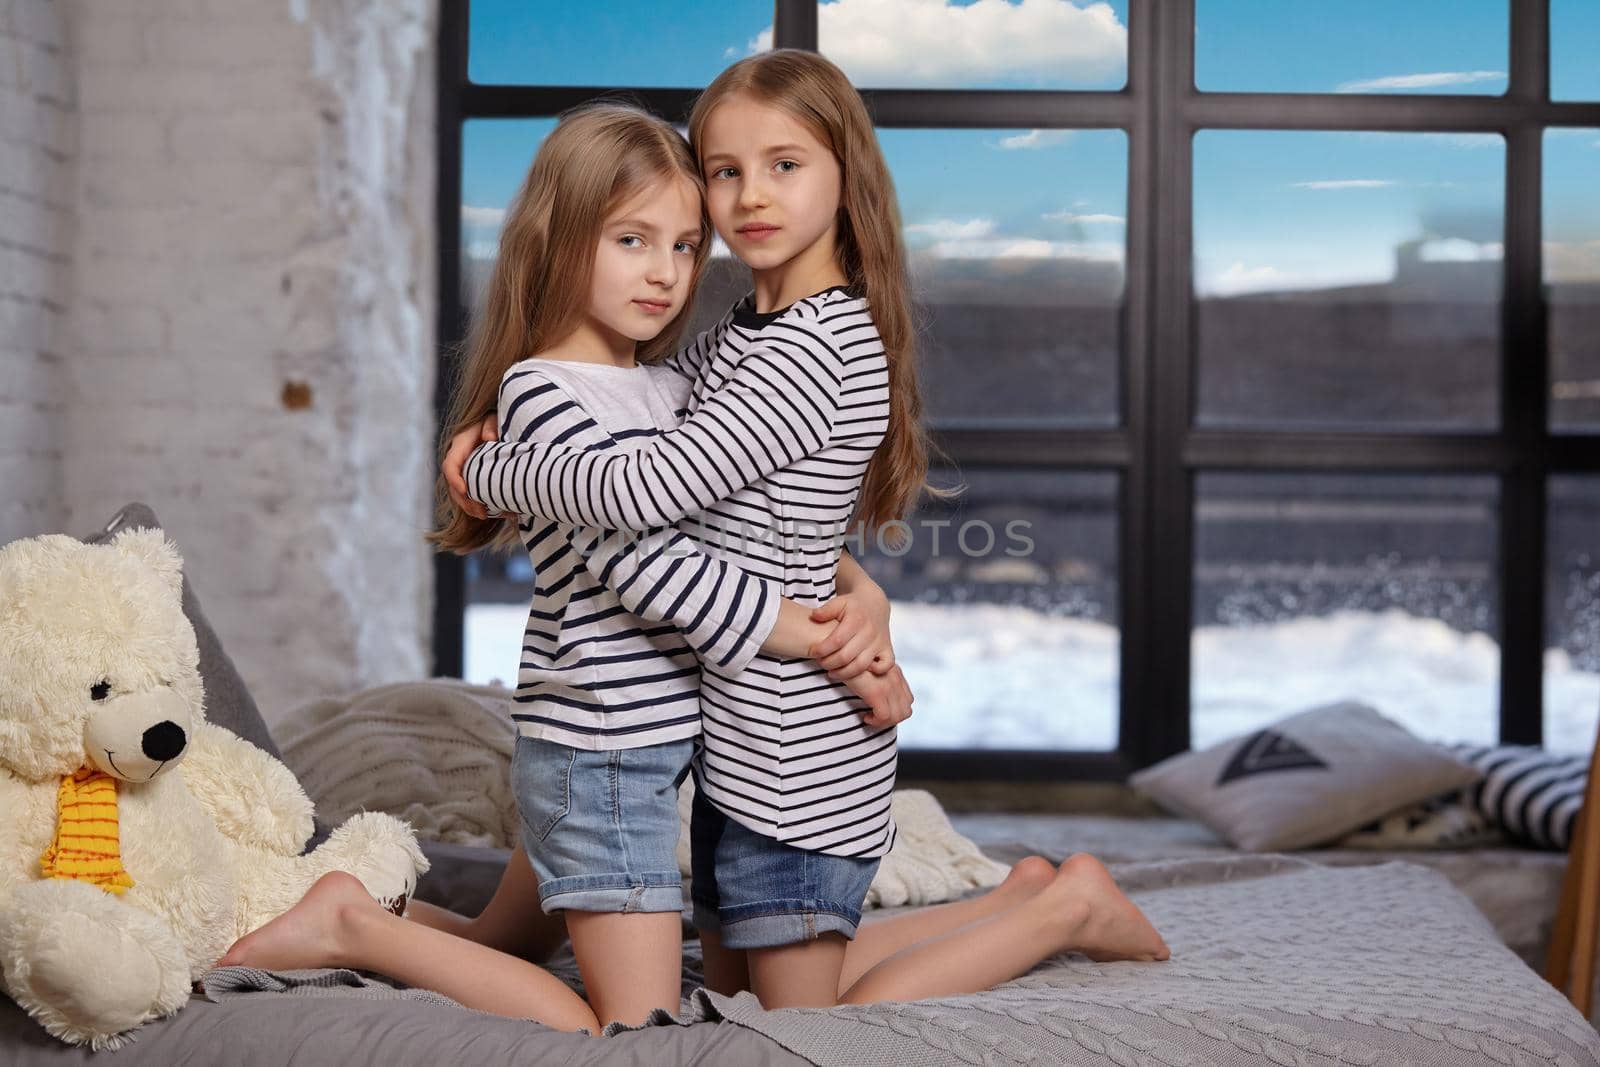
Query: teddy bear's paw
{"x": 381, "y": 851}
{"x": 86, "y": 965}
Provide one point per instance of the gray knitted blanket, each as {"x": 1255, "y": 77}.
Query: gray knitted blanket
{"x": 1276, "y": 960}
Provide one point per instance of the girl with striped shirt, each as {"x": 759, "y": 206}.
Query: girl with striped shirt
{"x": 803, "y": 418}
{"x": 806, "y": 340}
{"x": 598, "y": 260}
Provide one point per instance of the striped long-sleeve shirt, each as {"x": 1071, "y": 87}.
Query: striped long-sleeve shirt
{"x": 609, "y": 658}
{"x": 786, "y": 412}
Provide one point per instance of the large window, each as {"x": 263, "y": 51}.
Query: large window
{"x": 1261, "y": 337}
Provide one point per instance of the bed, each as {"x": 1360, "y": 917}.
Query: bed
{"x": 1276, "y": 959}
{"x": 1304, "y": 959}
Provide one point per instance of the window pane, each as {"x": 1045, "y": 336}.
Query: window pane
{"x": 959, "y": 44}
{"x": 1348, "y": 280}
{"x": 621, "y": 43}
{"x": 499, "y": 588}
{"x": 1572, "y": 276}
{"x": 1311, "y": 589}
{"x": 495, "y": 156}
{"x": 1572, "y": 615}
{"x": 1574, "y": 41}
{"x": 1017, "y": 243}
{"x": 1005, "y": 619}
{"x": 1356, "y": 46}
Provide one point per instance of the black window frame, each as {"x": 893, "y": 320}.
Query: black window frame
{"x": 1157, "y": 450}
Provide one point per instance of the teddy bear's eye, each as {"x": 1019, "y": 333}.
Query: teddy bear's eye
{"x": 100, "y": 690}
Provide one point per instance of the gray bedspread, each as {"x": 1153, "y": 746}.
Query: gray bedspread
{"x": 339, "y": 1019}
{"x": 1276, "y": 960}
{"x": 1516, "y": 888}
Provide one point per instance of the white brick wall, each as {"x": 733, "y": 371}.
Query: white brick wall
{"x": 37, "y": 130}
{"x": 249, "y": 203}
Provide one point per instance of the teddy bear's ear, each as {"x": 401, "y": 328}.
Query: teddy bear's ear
{"x": 153, "y": 548}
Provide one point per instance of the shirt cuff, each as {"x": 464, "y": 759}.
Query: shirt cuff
{"x": 754, "y": 636}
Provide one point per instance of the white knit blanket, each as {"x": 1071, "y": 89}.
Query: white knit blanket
{"x": 438, "y": 754}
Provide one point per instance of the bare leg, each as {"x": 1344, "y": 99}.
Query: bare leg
{"x": 512, "y": 921}
{"x": 1082, "y": 909}
{"x": 632, "y": 962}
{"x": 337, "y": 924}
{"x": 804, "y": 975}
{"x": 878, "y": 939}
{"x": 727, "y": 970}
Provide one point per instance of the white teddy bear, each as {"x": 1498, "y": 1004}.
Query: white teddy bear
{"x": 137, "y": 840}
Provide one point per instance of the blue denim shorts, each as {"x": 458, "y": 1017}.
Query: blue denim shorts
{"x": 761, "y": 893}
{"x": 601, "y": 828}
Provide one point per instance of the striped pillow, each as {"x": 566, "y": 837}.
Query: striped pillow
{"x": 1532, "y": 794}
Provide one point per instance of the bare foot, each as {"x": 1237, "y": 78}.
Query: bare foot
{"x": 313, "y": 933}
{"x": 1100, "y": 921}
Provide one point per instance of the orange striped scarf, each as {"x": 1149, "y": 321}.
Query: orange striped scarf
{"x": 86, "y": 846}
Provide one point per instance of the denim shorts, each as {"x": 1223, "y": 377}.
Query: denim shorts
{"x": 601, "y": 828}
{"x": 761, "y": 893}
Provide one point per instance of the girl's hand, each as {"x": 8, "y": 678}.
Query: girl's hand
{"x": 860, "y": 639}
{"x": 887, "y": 695}
{"x": 455, "y": 461}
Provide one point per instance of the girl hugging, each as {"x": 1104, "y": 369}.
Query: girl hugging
{"x": 684, "y": 511}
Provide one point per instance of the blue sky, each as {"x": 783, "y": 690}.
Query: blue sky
{"x": 1273, "y": 210}
{"x": 1574, "y": 42}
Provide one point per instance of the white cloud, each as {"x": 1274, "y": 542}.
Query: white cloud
{"x": 482, "y": 216}
{"x": 761, "y": 42}
{"x": 953, "y": 229}
{"x": 1240, "y": 278}
{"x": 1027, "y": 248}
{"x": 1434, "y": 80}
{"x": 1067, "y": 216}
{"x": 1036, "y": 139}
{"x": 1459, "y": 250}
{"x": 1347, "y": 183}
{"x": 905, "y": 43}
{"x": 978, "y": 239}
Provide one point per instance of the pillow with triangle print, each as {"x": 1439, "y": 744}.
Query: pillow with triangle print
{"x": 1305, "y": 780}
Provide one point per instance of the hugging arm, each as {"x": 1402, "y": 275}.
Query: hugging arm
{"x": 778, "y": 406}
{"x": 724, "y": 613}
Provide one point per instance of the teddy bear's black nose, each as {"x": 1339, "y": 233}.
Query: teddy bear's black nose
{"x": 163, "y": 741}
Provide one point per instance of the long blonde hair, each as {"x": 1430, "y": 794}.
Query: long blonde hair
{"x": 599, "y": 156}
{"x": 871, "y": 252}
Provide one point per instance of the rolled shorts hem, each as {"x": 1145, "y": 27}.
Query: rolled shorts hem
{"x": 608, "y": 893}
{"x": 773, "y": 923}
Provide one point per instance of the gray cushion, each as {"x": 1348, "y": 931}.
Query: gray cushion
{"x": 228, "y": 702}
{"x": 1305, "y": 780}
